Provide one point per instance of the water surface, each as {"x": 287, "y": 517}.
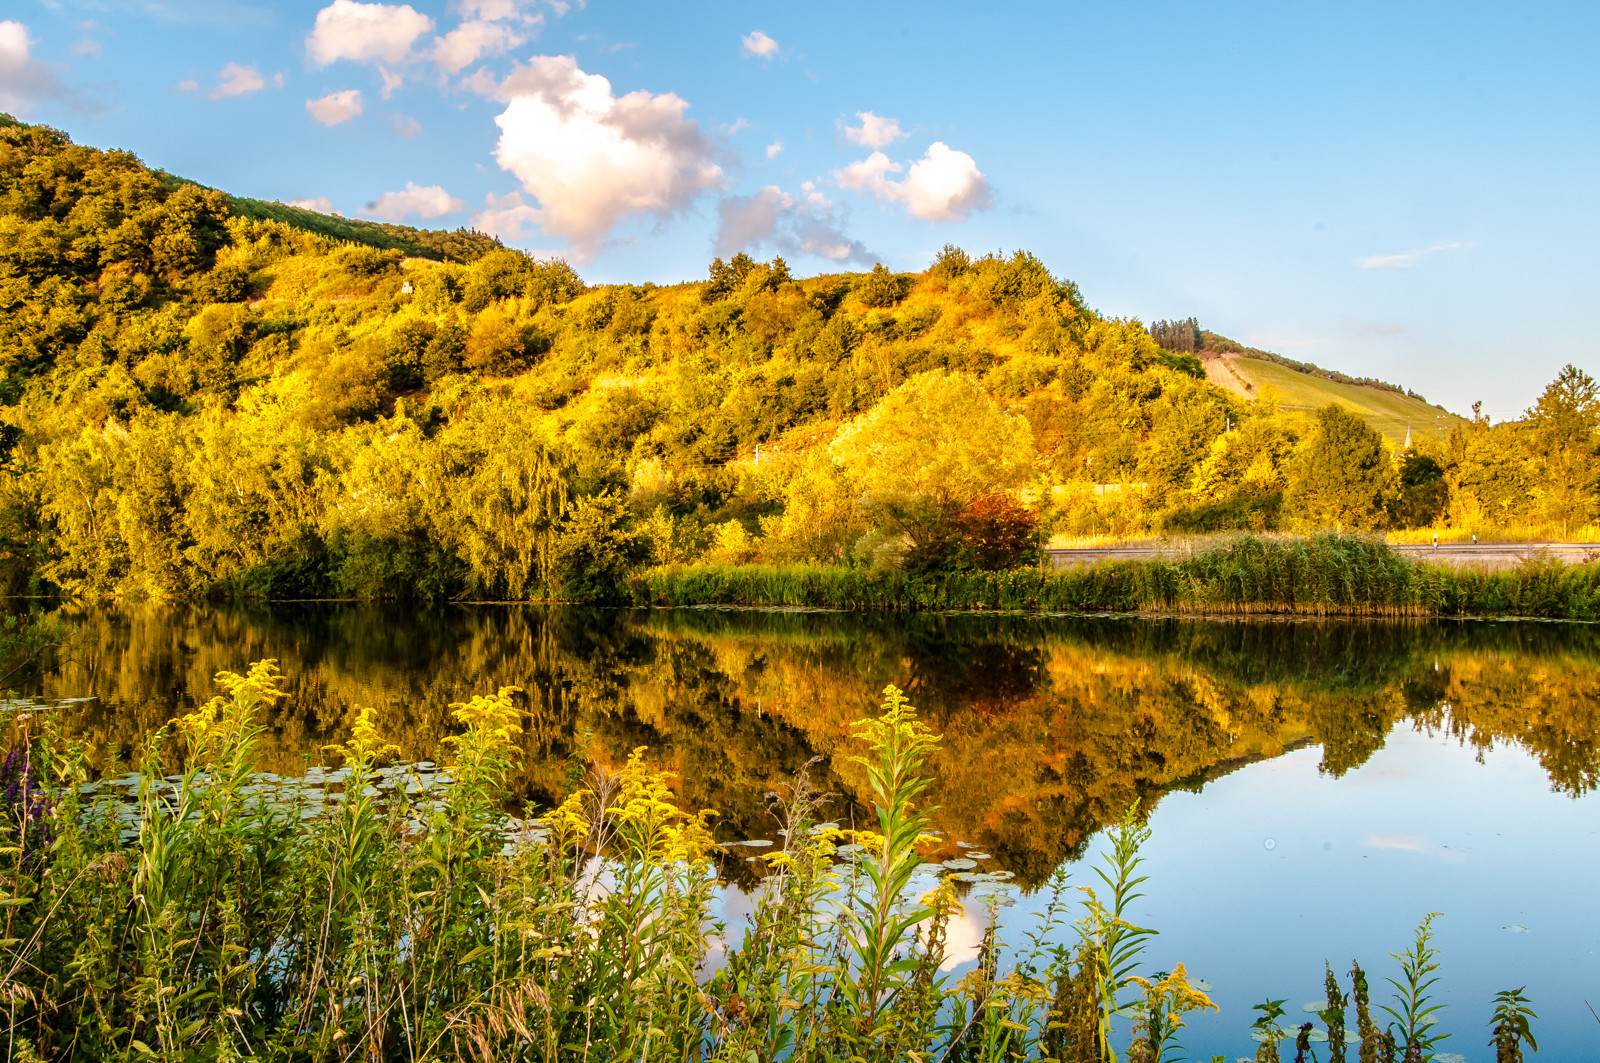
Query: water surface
{"x": 1314, "y": 788}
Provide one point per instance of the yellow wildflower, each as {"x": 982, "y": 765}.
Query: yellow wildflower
{"x": 943, "y": 900}
{"x": 567, "y": 822}
{"x": 214, "y": 726}
{"x": 365, "y": 747}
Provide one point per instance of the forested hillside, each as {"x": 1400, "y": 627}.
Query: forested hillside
{"x": 201, "y": 394}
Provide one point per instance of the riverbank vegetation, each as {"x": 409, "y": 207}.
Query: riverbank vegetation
{"x": 220, "y": 914}
{"x": 210, "y": 396}
{"x": 1321, "y": 575}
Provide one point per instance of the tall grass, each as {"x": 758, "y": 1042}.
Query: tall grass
{"x": 218, "y": 915}
{"x": 1324, "y": 575}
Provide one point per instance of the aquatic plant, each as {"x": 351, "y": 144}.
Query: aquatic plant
{"x": 1332, "y": 1016}
{"x": 1510, "y": 1026}
{"x": 1267, "y": 1031}
{"x": 1413, "y": 1010}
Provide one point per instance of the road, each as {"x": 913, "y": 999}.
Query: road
{"x": 1461, "y": 555}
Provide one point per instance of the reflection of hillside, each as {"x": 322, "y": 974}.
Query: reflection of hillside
{"x": 1052, "y": 726}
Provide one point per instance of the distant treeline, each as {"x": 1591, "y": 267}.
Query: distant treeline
{"x": 462, "y": 245}
{"x": 1184, "y": 337}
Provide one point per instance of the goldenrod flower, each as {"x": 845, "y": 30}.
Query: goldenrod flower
{"x": 365, "y": 747}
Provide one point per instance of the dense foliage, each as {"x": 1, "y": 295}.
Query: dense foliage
{"x": 205, "y": 394}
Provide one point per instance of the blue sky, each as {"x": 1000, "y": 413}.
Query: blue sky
{"x": 1405, "y": 191}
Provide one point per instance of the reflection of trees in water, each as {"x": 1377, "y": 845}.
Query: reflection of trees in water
{"x": 1052, "y": 725}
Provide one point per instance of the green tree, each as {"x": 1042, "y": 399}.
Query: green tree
{"x": 1423, "y": 493}
{"x": 1343, "y": 476}
{"x": 1184, "y": 424}
{"x": 932, "y": 446}
{"x": 882, "y": 288}
{"x": 495, "y": 493}
{"x": 1565, "y": 422}
{"x": 596, "y": 550}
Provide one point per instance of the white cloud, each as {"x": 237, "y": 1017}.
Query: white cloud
{"x": 1408, "y": 259}
{"x": 772, "y": 217}
{"x": 336, "y": 107}
{"x": 1410, "y": 843}
{"x": 188, "y": 85}
{"x": 320, "y": 204}
{"x": 407, "y": 126}
{"x": 87, "y": 48}
{"x": 25, "y": 80}
{"x": 507, "y": 217}
{"x": 874, "y": 132}
{"x": 759, "y": 45}
{"x": 14, "y": 45}
{"x": 429, "y": 202}
{"x": 363, "y": 33}
{"x": 943, "y": 185}
{"x": 236, "y": 80}
{"x": 470, "y": 41}
{"x": 774, "y": 148}
{"x": 505, "y": 10}
{"x": 593, "y": 159}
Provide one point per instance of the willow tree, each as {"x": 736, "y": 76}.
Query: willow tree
{"x": 496, "y": 492}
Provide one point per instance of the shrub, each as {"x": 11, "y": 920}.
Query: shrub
{"x": 596, "y": 550}
{"x": 998, "y": 533}
{"x": 883, "y": 289}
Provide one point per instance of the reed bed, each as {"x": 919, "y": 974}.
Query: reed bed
{"x": 1329, "y": 574}
{"x": 209, "y": 918}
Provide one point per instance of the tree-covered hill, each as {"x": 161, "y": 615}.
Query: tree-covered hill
{"x": 206, "y": 393}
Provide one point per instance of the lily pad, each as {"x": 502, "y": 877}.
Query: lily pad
{"x": 961, "y": 864}
{"x": 1000, "y": 890}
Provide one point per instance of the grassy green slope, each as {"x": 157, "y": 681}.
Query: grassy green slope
{"x": 1389, "y": 412}
{"x": 462, "y": 245}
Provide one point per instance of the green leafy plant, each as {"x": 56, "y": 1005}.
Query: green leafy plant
{"x": 1267, "y": 1031}
{"x": 1414, "y": 1011}
{"x": 1510, "y": 1026}
{"x": 1332, "y": 1015}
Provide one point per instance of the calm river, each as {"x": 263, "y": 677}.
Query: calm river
{"x": 1315, "y": 789}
